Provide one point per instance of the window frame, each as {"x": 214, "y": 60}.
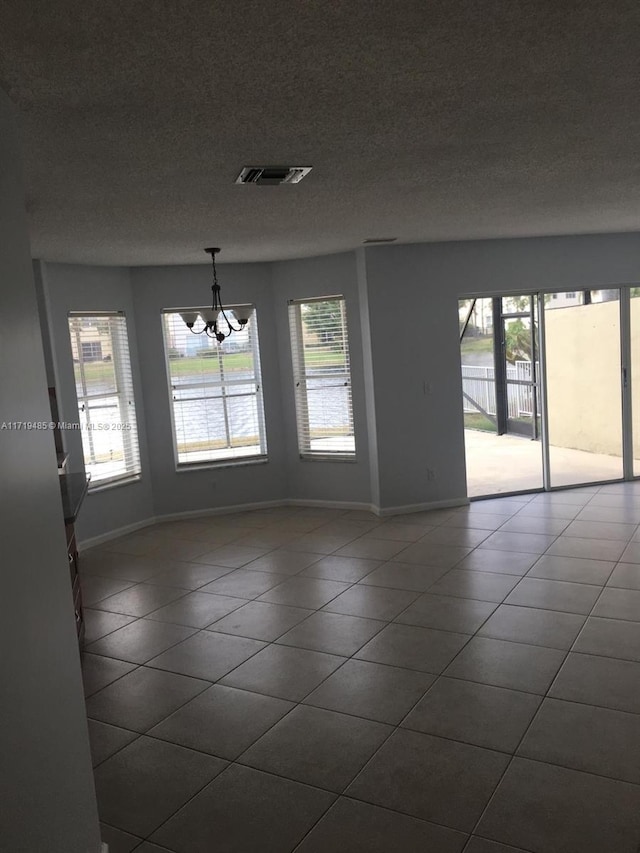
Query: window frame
{"x": 254, "y": 341}
{"x": 299, "y": 370}
{"x": 124, "y": 392}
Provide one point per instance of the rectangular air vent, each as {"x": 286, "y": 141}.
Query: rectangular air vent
{"x": 272, "y": 175}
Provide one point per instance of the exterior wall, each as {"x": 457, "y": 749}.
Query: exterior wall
{"x": 583, "y": 377}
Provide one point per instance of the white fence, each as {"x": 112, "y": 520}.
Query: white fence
{"x": 479, "y": 384}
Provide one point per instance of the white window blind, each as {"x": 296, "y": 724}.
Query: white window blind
{"x": 216, "y": 392}
{"x": 104, "y": 388}
{"x": 322, "y": 377}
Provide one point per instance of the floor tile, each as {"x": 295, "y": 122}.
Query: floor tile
{"x": 222, "y": 721}
{"x": 481, "y": 845}
{"x": 147, "y": 847}
{"x": 142, "y": 698}
{"x": 500, "y": 506}
{"x": 631, "y": 553}
{"x": 96, "y": 588}
{"x": 319, "y": 543}
{"x": 448, "y": 614}
{"x": 548, "y": 510}
{"x": 626, "y": 576}
{"x": 105, "y": 740}
{"x": 139, "y": 600}
{"x": 529, "y": 543}
{"x": 619, "y": 604}
{"x": 332, "y": 632}
{"x": 233, "y": 556}
{"x": 346, "y": 569}
{"x": 282, "y": 562}
{"x": 244, "y": 584}
{"x": 318, "y": 747}
{"x": 398, "y": 532}
{"x": 371, "y": 690}
{"x": 305, "y": 592}
{"x": 601, "y": 681}
{"x": 503, "y": 664}
{"x": 123, "y": 566}
{"x": 372, "y": 549}
{"x": 592, "y": 549}
{"x": 141, "y": 640}
{"x": 413, "y": 648}
{"x": 353, "y": 827}
{"x": 207, "y": 655}
{"x": 484, "y": 586}
{"x": 554, "y": 595}
{"x": 245, "y": 811}
{"x": 404, "y": 576}
{"x": 261, "y": 621}
{"x": 145, "y": 783}
{"x": 372, "y": 602}
{"x": 425, "y": 554}
{"x": 99, "y": 623}
{"x": 189, "y": 575}
{"x": 626, "y": 515}
{"x": 535, "y": 524}
{"x": 118, "y": 841}
{"x": 197, "y": 609}
{"x": 181, "y": 549}
{"x": 284, "y": 672}
{"x": 600, "y": 530}
{"x": 498, "y": 562}
{"x": 610, "y": 638}
{"x": 98, "y": 671}
{"x": 582, "y": 813}
{"x": 478, "y": 521}
{"x": 572, "y": 569}
{"x": 465, "y": 537}
{"x": 474, "y": 713}
{"x": 533, "y": 626}
{"x": 563, "y": 733}
{"x": 431, "y": 778}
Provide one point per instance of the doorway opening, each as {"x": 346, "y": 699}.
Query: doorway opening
{"x": 546, "y": 389}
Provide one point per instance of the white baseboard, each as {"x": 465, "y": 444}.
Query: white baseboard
{"x": 383, "y": 512}
{"x": 423, "y": 507}
{"x": 104, "y": 847}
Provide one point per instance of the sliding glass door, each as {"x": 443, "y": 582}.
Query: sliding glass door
{"x": 547, "y": 385}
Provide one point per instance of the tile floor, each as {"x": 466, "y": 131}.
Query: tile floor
{"x": 316, "y": 680}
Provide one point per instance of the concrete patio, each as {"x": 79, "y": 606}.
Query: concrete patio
{"x": 507, "y": 463}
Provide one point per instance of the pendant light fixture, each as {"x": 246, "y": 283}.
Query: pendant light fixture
{"x": 212, "y": 317}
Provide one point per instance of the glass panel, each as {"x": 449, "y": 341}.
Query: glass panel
{"x": 500, "y": 395}
{"x": 584, "y": 396}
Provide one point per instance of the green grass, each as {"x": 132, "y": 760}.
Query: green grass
{"x": 475, "y": 420}
{"x": 474, "y": 345}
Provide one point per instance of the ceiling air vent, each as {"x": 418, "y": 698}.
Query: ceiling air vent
{"x": 272, "y": 175}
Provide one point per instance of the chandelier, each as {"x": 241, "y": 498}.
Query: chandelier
{"x": 212, "y": 317}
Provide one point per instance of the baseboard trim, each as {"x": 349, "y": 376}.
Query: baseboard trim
{"x": 383, "y": 512}
{"x": 422, "y": 507}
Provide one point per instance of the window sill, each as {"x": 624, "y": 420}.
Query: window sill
{"x": 327, "y": 457}
{"x": 113, "y": 484}
{"x": 186, "y": 467}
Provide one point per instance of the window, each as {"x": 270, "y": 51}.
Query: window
{"x": 104, "y": 388}
{"x": 216, "y": 393}
{"x": 322, "y": 377}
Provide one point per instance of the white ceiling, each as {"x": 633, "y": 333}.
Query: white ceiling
{"x": 423, "y": 120}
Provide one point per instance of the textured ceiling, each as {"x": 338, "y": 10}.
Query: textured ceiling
{"x": 423, "y": 120}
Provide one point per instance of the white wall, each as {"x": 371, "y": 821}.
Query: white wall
{"x": 69, "y": 287}
{"x": 413, "y": 293}
{"x": 48, "y": 800}
{"x": 315, "y": 479}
